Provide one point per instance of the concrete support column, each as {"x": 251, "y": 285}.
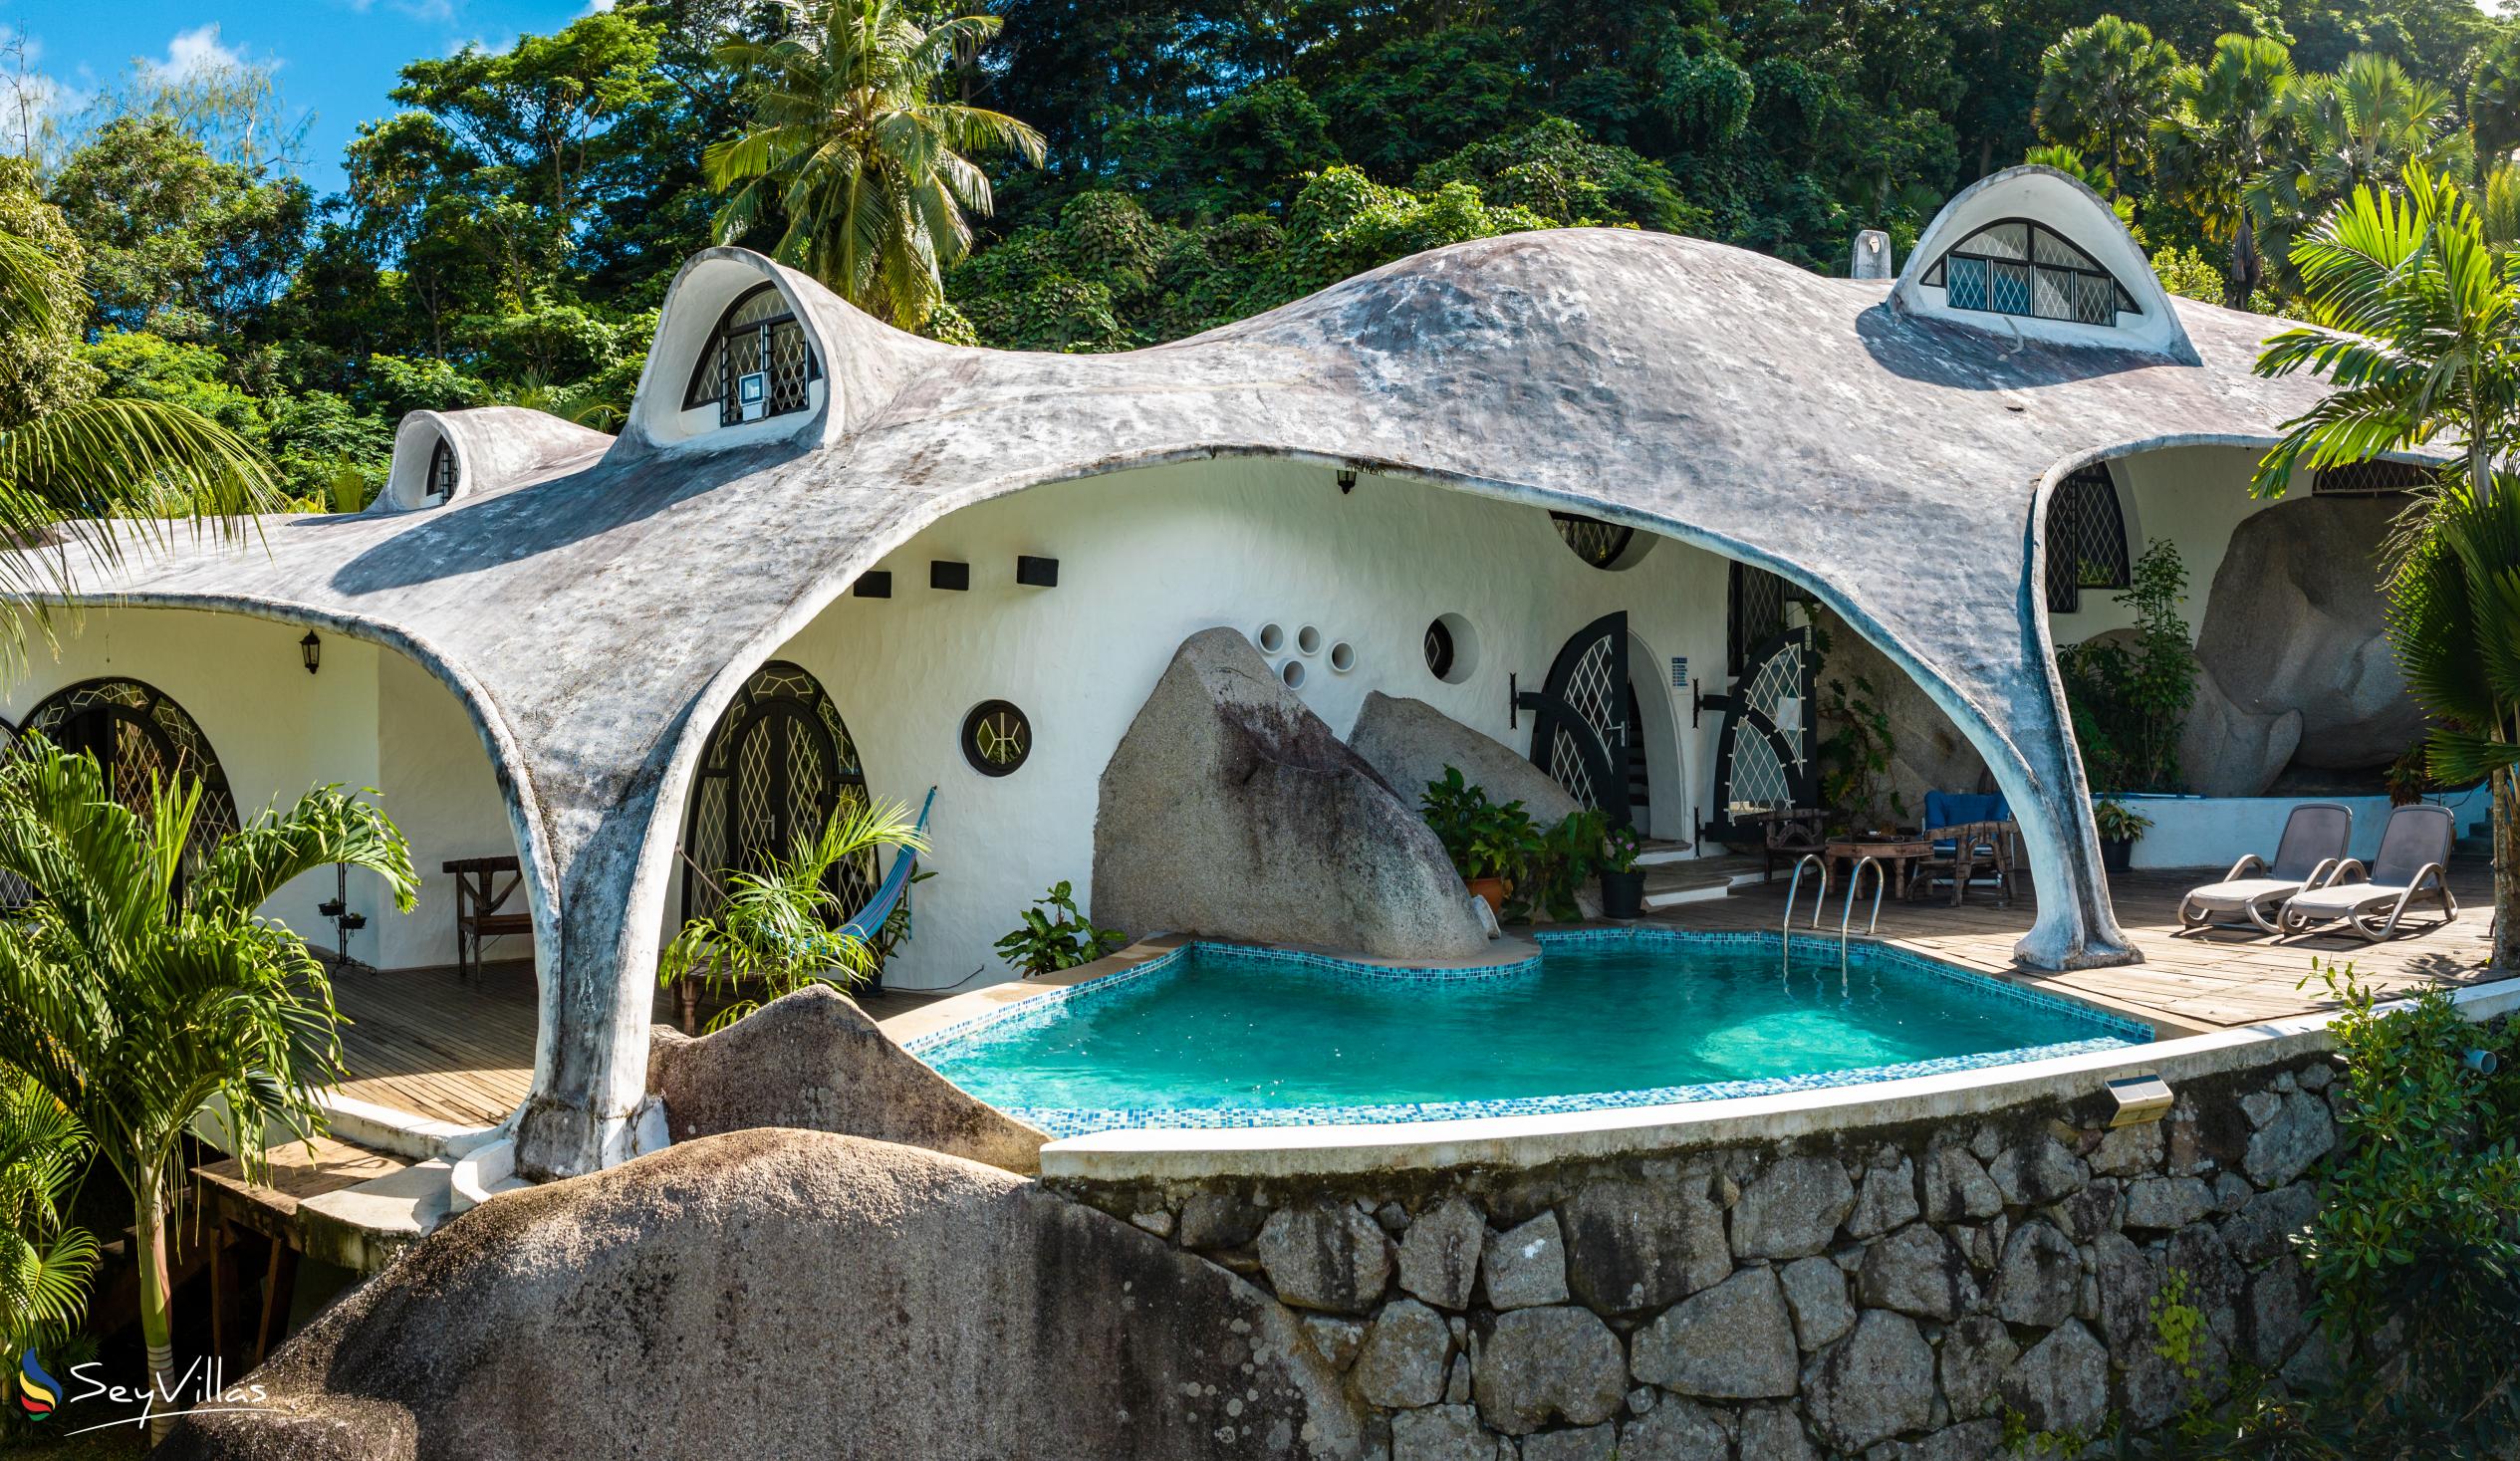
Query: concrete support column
{"x": 2034, "y": 760}
{"x": 2027, "y": 740}
{"x": 589, "y": 1091}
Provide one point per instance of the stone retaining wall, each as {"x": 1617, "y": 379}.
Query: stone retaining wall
{"x": 1895, "y": 1293}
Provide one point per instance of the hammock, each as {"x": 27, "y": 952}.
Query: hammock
{"x": 869, "y": 918}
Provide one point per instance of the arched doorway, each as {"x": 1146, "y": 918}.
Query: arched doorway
{"x": 775, "y": 767}
{"x": 141, "y": 738}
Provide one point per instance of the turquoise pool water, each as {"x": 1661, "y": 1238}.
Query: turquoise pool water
{"x": 1230, "y": 1037}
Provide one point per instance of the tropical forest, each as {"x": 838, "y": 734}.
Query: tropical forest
{"x": 1054, "y": 176}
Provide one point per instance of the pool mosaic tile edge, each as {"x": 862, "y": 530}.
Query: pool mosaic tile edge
{"x": 1084, "y": 1121}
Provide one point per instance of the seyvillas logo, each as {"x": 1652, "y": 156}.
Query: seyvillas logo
{"x": 37, "y": 1391}
{"x": 200, "y": 1389}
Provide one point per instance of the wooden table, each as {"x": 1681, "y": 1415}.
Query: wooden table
{"x": 1897, "y": 855}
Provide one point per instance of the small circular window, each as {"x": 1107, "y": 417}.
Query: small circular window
{"x": 1452, "y": 648}
{"x": 1440, "y": 649}
{"x": 1602, "y": 545}
{"x": 996, "y": 738}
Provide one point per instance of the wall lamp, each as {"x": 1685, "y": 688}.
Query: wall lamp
{"x": 310, "y": 652}
{"x": 1347, "y": 481}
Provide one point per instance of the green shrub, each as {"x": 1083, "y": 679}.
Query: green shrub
{"x": 1054, "y": 936}
{"x": 1482, "y": 838}
{"x": 2419, "y": 1226}
{"x": 2118, "y": 822}
{"x": 2129, "y": 703}
{"x": 2411, "y": 1254}
{"x": 783, "y": 927}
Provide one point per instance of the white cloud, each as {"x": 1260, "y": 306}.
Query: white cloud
{"x": 193, "y": 53}
{"x": 597, "y": 7}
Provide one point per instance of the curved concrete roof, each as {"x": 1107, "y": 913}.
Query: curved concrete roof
{"x": 1891, "y": 463}
{"x": 493, "y": 447}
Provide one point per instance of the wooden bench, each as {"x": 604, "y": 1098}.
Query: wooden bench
{"x": 478, "y": 897}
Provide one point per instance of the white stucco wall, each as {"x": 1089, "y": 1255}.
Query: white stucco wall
{"x": 367, "y": 719}
{"x": 1148, "y": 558}
{"x": 441, "y": 789}
{"x": 2196, "y": 496}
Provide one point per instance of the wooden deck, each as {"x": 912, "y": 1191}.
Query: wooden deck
{"x": 424, "y": 1043}
{"x": 2187, "y": 983}
{"x": 421, "y": 1041}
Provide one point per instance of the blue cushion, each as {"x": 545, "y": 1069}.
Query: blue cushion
{"x": 1960, "y": 809}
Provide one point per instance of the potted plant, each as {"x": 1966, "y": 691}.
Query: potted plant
{"x": 1489, "y": 846}
{"x": 2119, "y": 827}
{"x": 1623, "y": 887}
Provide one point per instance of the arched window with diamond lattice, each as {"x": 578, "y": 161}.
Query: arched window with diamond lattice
{"x": 777, "y": 766}
{"x": 2087, "y": 538}
{"x": 756, "y": 362}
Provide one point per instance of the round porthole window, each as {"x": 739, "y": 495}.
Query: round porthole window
{"x": 1272, "y": 639}
{"x": 996, "y": 737}
{"x": 1308, "y": 640}
{"x": 1440, "y": 649}
{"x": 1452, "y": 648}
{"x": 1293, "y": 674}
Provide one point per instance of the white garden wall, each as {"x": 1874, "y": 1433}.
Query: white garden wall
{"x": 1148, "y": 558}
{"x": 2214, "y": 831}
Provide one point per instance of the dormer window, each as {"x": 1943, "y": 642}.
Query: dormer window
{"x": 2018, "y": 267}
{"x": 756, "y": 363}
{"x": 441, "y": 471}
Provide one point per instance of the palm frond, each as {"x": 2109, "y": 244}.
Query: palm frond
{"x": 327, "y": 827}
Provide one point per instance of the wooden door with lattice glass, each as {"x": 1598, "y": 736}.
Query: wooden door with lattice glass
{"x": 1581, "y": 729}
{"x": 1763, "y": 759}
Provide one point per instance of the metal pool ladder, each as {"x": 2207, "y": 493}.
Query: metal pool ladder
{"x": 1854, "y": 884}
{"x": 1793, "y": 891}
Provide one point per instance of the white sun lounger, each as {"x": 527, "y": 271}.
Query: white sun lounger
{"x": 2414, "y": 854}
{"x": 2313, "y": 844}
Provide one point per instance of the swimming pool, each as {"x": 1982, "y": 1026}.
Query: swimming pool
{"x": 1217, "y": 1036}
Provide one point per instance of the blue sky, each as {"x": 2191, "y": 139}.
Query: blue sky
{"x": 337, "y": 58}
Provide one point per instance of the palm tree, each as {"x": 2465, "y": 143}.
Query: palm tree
{"x": 2417, "y": 322}
{"x": 2100, "y": 87}
{"x": 850, "y": 143}
{"x": 2223, "y": 130}
{"x": 142, "y": 991}
{"x": 67, "y": 470}
{"x": 2453, "y": 614}
{"x": 2493, "y": 99}
{"x": 780, "y": 928}
{"x": 2501, "y": 204}
{"x": 45, "y": 1262}
{"x": 2356, "y": 129}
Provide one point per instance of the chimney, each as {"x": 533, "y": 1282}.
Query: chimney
{"x": 1871, "y": 256}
